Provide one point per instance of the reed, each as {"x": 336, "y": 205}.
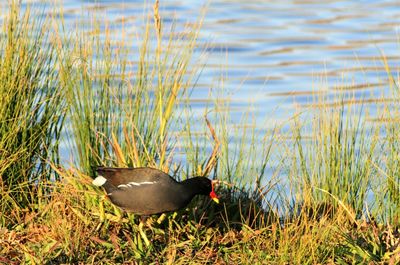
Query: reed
{"x": 333, "y": 163}
{"x": 32, "y": 107}
{"x": 388, "y": 186}
{"x": 121, "y": 113}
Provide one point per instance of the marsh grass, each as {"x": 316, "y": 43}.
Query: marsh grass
{"x": 31, "y": 108}
{"x": 333, "y": 166}
{"x": 122, "y": 117}
{"x": 389, "y": 186}
{"x": 313, "y": 209}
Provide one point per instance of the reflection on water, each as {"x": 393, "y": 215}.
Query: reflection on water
{"x": 275, "y": 52}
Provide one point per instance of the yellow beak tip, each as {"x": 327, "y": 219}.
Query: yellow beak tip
{"x": 216, "y": 200}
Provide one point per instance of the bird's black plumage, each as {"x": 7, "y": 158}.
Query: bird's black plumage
{"x": 147, "y": 191}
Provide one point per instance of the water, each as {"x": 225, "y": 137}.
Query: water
{"x": 273, "y": 53}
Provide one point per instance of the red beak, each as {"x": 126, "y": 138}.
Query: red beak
{"x": 213, "y": 196}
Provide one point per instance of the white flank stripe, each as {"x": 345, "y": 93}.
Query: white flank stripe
{"x": 99, "y": 181}
{"x": 131, "y": 184}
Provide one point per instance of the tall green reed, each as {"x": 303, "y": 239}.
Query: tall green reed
{"x": 121, "y": 112}
{"x": 31, "y": 105}
{"x": 387, "y": 188}
{"x": 335, "y": 151}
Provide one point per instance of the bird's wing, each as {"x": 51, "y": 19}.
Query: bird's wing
{"x": 133, "y": 176}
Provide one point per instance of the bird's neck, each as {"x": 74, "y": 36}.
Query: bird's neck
{"x": 185, "y": 191}
{"x": 190, "y": 186}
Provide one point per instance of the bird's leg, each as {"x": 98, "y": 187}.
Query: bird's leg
{"x": 142, "y": 233}
{"x": 143, "y": 218}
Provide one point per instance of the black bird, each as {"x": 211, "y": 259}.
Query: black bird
{"x": 147, "y": 191}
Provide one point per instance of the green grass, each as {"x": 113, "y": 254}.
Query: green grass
{"x": 32, "y": 108}
{"x": 333, "y": 197}
{"x": 335, "y": 164}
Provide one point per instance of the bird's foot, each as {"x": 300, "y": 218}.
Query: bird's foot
{"x": 143, "y": 234}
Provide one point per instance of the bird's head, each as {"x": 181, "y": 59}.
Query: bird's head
{"x": 205, "y": 186}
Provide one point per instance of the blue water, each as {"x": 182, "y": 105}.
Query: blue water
{"x": 268, "y": 51}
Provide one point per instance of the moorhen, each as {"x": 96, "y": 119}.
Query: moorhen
{"x": 147, "y": 191}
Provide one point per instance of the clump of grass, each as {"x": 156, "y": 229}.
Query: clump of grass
{"x": 370, "y": 243}
{"x": 31, "y": 107}
{"x": 333, "y": 163}
{"x": 121, "y": 114}
{"x": 387, "y": 188}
